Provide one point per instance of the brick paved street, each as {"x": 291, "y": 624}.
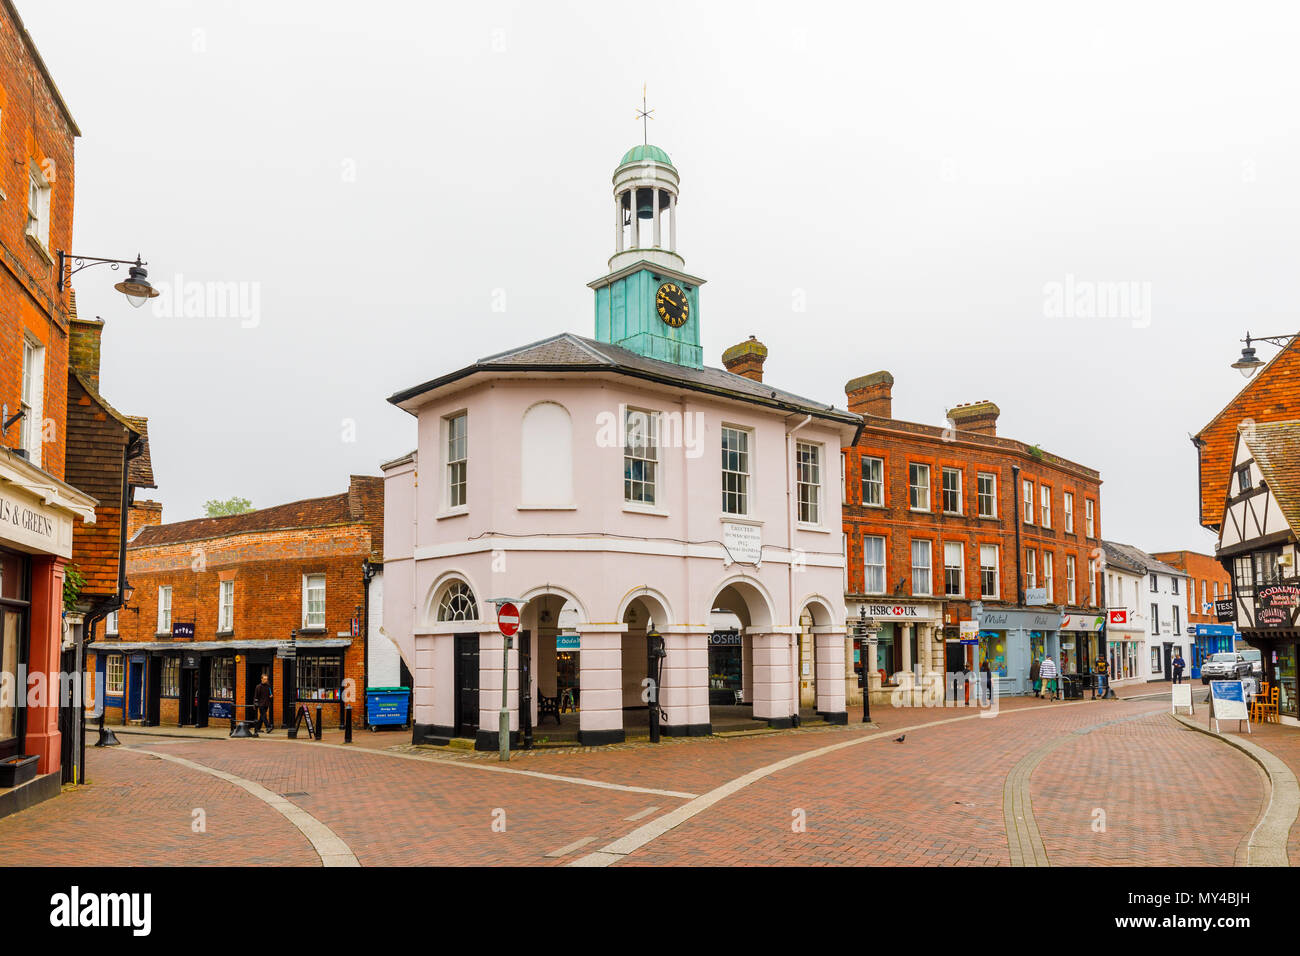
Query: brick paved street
{"x": 938, "y": 798}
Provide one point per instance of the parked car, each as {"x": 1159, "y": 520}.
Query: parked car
{"x": 1256, "y": 661}
{"x": 1226, "y": 665}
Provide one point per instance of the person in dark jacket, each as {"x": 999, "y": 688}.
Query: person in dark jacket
{"x": 262, "y": 698}
{"x": 1179, "y": 664}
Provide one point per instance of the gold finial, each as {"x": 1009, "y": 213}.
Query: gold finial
{"x": 643, "y": 115}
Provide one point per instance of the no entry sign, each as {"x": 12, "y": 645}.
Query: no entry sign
{"x": 508, "y": 619}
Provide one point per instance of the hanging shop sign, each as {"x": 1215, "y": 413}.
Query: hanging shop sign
{"x": 1225, "y": 612}
{"x": 183, "y": 630}
{"x": 567, "y": 642}
{"x": 1035, "y": 597}
{"x": 1275, "y": 605}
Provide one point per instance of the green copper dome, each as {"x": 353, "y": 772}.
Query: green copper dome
{"x": 640, "y": 153}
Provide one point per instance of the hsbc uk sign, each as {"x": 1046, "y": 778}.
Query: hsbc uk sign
{"x": 902, "y": 612}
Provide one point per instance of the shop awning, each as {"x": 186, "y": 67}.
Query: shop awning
{"x": 303, "y": 644}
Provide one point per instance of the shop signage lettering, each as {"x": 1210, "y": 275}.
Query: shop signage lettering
{"x": 1225, "y": 612}
{"x": 744, "y": 542}
{"x": 182, "y": 629}
{"x": 724, "y": 639}
{"x": 28, "y": 519}
{"x": 898, "y": 611}
{"x": 1275, "y": 605}
{"x": 1035, "y": 596}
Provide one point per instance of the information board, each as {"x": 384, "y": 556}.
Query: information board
{"x": 1228, "y": 702}
{"x": 1182, "y": 697}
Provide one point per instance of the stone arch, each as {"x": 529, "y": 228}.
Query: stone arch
{"x": 554, "y": 589}
{"x": 750, "y": 595}
{"x": 820, "y": 609}
{"x": 441, "y": 586}
{"x": 656, "y": 603}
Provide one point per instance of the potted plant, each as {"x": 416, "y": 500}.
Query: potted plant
{"x": 18, "y": 769}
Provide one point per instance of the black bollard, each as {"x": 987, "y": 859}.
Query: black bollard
{"x": 106, "y": 737}
{"x": 347, "y": 725}
{"x": 320, "y": 728}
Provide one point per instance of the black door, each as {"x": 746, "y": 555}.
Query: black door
{"x": 153, "y": 691}
{"x": 189, "y": 692}
{"x": 288, "y": 690}
{"x": 467, "y": 685}
{"x": 203, "y": 692}
{"x": 525, "y": 688}
{"x": 255, "y": 665}
{"x": 1169, "y": 657}
{"x": 68, "y": 726}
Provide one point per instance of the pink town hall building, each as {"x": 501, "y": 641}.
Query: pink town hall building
{"x": 632, "y": 498}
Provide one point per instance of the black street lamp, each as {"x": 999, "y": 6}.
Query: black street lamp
{"x": 1250, "y": 363}
{"x": 865, "y": 640}
{"x": 655, "y": 654}
{"x": 135, "y": 286}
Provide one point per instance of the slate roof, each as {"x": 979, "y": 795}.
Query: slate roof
{"x": 1136, "y": 560}
{"x": 140, "y": 471}
{"x": 1275, "y": 446}
{"x": 567, "y": 352}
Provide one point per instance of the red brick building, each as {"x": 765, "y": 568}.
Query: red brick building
{"x": 940, "y": 522}
{"x": 1207, "y": 582}
{"x": 38, "y": 507}
{"x": 213, "y": 600}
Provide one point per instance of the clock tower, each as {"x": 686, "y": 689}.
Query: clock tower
{"x": 647, "y": 302}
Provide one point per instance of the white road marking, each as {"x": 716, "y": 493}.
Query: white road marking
{"x": 327, "y": 844}
{"x": 637, "y": 816}
{"x": 577, "y": 845}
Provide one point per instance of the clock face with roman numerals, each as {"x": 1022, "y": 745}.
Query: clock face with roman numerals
{"x": 672, "y": 305}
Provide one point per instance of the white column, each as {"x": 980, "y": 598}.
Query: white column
{"x": 600, "y": 683}
{"x": 672, "y": 221}
{"x": 491, "y": 645}
{"x": 907, "y": 649}
{"x": 655, "y": 200}
{"x": 685, "y": 691}
{"x": 828, "y": 666}
{"x": 772, "y": 677}
{"x": 636, "y": 222}
{"x": 618, "y": 222}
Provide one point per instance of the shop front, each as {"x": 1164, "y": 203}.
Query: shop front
{"x": 909, "y": 642}
{"x": 726, "y": 667}
{"x": 1012, "y": 639}
{"x": 1210, "y": 639}
{"x": 36, "y": 519}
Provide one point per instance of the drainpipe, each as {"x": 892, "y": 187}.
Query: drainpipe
{"x": 1020, "y": 578}
{"x": 101, "y": 609}
{"x": 367, "y": 573}
{"x": 790, "y": 505}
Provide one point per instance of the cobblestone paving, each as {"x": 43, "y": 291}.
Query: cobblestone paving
{"x": 935, "y": 799}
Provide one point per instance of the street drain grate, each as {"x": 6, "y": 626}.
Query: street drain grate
{"x": 297, "y": 793}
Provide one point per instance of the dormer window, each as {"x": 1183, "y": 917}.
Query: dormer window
{"x": 1244, "y": 484}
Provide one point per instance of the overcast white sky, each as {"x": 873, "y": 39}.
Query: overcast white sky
{"x": 919, "y": 173}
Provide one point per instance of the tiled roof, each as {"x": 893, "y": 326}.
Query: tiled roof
{"x": 140, "y": 472}
{"x": 1275, "y": 447}
{"x": 363, "y": 503}
{"x": 1136, "y": 560}
{"x": 569, "y": 352}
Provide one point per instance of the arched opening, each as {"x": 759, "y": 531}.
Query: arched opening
{"x": 737, "y": 607}
{"x": 455, "y": 603}
{"x": 550, "y": 662}
{"x": 819, "y": 671}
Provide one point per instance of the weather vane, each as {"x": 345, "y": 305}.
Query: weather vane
{"x": 643, "y": 114}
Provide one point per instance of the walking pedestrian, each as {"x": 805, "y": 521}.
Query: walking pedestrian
{"x": 1101, "y": 668}
{"x": 1035, "y": 671}
{"x": 262, "y": 699}
{"x": 1048, "y": 674}
{"x": 1179, "y": 664}
{"x": 988, "y": 680}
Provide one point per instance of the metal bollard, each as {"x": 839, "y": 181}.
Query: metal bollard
{"x": 232, "y": 721}
{"x": 320, "y": 728}
{"x": 347, "y": 725}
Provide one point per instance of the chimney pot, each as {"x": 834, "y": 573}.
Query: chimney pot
{"x": 980, "y": 417}
{"x": 746, "y": 359}
{"x": 871, "y": 394}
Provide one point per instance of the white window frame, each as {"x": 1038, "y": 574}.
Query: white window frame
{"x": 943, "y": 478}
{"x": 1069, "y": 511}
{"x": 110, "y": 624}
{"x": 1049, "y": 575}
{"x": 39, "y": 191}
{"x": 927, "y": 577}
{"x": 165, "y": 609}
{"x": 1071, "y": 583}
{"x": 992, "y": 496}
{"x": 646, "y": 452}
{"x": 867, "y": 566}
{"x": 115, "y": 676}
{"x": 1045, "y": 506}
{"x": 1027, "y": 501}
{"x": 960, "y": 568}
{"x": 808, "y": 488}
{"x": 995, "y": 568}
{"x": 916, "y": 469}
{"x": 1089, "y": 520}
{"x": 1031, "y": 568}
{"x": 455, "y": 450}
{"x": 309, "y": 623}
{"x": 226, "y": 606}
{"x": 31, "y": 400}
{"x": 741, "y": 478}
{"x": 877, "y": 467}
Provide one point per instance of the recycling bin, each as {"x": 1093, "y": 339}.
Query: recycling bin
{"x": 388, "y": 706}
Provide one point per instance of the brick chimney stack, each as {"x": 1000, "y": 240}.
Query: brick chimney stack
{"x": 142, "y": 514}
{"x": 979, "y": 417}
{"x": 746, "y": 359}
{"x": 871, "y": 395}
{"x": 83, "y": 344}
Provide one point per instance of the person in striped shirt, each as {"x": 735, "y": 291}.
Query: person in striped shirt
{"x": 1047, "y": 673}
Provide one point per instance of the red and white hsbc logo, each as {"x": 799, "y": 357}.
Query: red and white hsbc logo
{"x": 1117, "y": 617}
